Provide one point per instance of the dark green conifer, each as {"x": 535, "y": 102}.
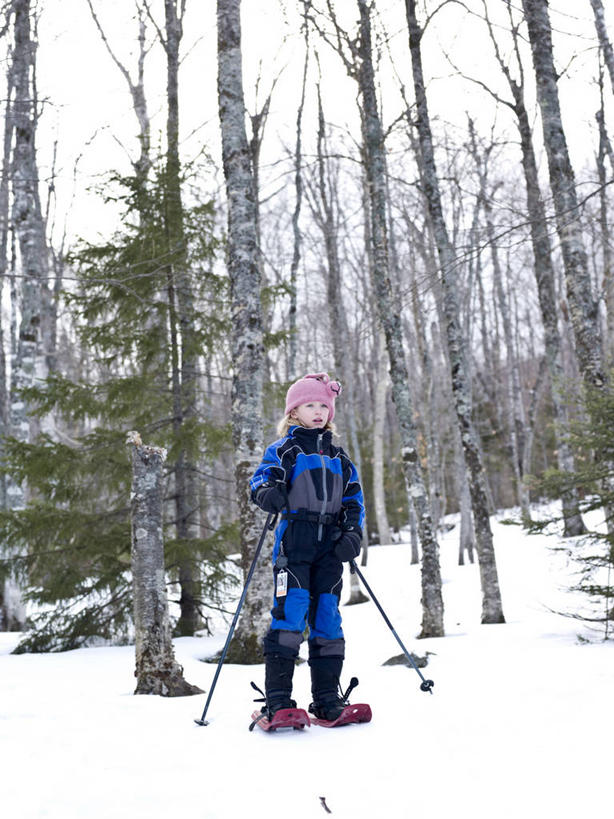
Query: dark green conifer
{"x": 72, "y": 541}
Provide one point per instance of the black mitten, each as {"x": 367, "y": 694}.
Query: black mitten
{"x": 270, "y": 498}
{"x": 348, "y": 546}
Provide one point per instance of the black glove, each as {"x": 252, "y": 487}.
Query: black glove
{"x": 270, "y": 498}
{"x": 348, "y": 545}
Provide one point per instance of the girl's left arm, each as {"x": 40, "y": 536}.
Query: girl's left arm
{"x": 352, "y": 502}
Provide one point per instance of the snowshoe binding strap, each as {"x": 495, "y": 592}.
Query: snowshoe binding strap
{"x": 260, "y": 691}
{"x": 263, "y": 713}
{"x": 353, "y": 684}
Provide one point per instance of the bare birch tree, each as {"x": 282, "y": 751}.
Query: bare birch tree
{"x": 31, "y": 338}
{"x": 388, "y": 309}
{"x": 514, "y": 405}
{"x": 583, "y": 307}
{"x": 326, "y": 213}
{"x": 604, "y": 41}
{"x": 246, "y": 332}
{"x": 298, "y": 186}
{"x": 28, "y": 224}
{"x": 135, "y": 86}
{"x": 605, "y": 150}
{"x": 543, "y": 265}
{"x": 492, "y": 611}
{"x": 4, "y": 244}
{"x": 379, "y": 422}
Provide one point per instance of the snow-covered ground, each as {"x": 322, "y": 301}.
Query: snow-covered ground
{"x": 520, "y": 723}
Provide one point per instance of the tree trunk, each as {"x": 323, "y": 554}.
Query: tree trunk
{"x": 466, "y": 538}
{"x": 608, "y": 270}
{"x": 583, "y": 307}
{"x": 604, "y": 41}
{"x": 515, "y": 411}
{"x": 157, "y": 671}
{"x": 296, "y": 233}
{"x": 379, "y": 421}
{"x": 336, "y": 313}
{"x": 30, "y": 364}
{"x": 413, "y": 534}
{"x": 246, "y": 334}
{"x": 492, "y": 611}
{"x": 427, "y": 409}
{"x": 4, "y": 237}
{"x": 186, "y": 486}
{"x": 137, "y": 91}
{"x": 388, "y": 308}
{"x": 544, "y": 276}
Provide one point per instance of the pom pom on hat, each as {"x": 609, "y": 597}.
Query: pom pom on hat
{"x": 313, "y": 387}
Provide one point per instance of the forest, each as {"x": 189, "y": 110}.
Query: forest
{"x": 200, "y": 203}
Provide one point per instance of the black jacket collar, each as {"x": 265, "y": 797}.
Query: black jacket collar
{"x": 308, "y": 438}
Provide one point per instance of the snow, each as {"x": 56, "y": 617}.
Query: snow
{"x": 520, "y": 723}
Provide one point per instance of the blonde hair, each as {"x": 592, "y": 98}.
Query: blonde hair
{"x": 288, "y": 421}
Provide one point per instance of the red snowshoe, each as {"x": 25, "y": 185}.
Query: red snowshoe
{"x": 295, "y": 718}
{"x": 351, "y": 713}
{"x": 334, "y": 710}
{"x": 271, "y": 716}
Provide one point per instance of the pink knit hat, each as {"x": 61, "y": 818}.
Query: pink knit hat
{"x": 313, "y": 387}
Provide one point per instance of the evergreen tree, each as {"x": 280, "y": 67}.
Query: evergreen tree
{"x": 72, "y": 541}
{"x": 591, "y": 439}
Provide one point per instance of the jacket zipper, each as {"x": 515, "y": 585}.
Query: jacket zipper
{"x": 324, "y": 487}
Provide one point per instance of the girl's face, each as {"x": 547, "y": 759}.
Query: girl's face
{"x": 312, "y": 415}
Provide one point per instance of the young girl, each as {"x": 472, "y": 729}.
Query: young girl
{"x": 315, "y": 487}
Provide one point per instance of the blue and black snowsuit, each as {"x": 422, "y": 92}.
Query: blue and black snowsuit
{"x": 324, "y": 498}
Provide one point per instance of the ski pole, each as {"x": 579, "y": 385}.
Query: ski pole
{"x": 270, "y": 524}
{"x": 425, "y": 685}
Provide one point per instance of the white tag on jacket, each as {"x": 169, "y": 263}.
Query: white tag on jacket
{"x": 281, "y": 589}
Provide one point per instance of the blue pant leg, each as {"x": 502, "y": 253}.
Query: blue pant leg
{"x": 326, "y": 632}
{"x": 289, "y": 612}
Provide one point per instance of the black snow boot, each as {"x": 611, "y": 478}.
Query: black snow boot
{"x": 278, "y": 683}
{"x": 327, "y": 701}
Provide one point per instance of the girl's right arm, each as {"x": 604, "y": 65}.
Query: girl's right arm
{"x": 268, "y": 483}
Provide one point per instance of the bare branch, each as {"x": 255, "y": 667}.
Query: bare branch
{"x": 103, "y": 36}
{"x": 439, "y": 8}
{"x": 159, "y": 32}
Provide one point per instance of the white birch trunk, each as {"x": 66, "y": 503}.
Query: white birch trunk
{"x": 4, "y": 236}
{"x": 292, "y": 373}
{"x": 583, "y": 307}
{"x": 246, "y": 331}
{"x": 606, "y": 241}
{"x": 29, "y": 364}
{"x": 379, "y": 422}
{"x": 544, "y": 276}
{"x": 388, "y": 309}
{"x": 514, "y": 408}
{"x": 328, "y": 221}
{"x": 604, "y": 40}
{"x": 466, "y": 540}
{"x": 492, "y": 610}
